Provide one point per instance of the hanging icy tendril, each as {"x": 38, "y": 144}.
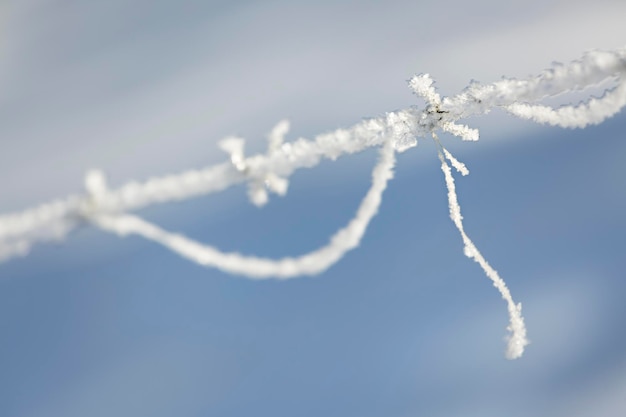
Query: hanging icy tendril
{"x": 517, "y": 331}
{"x": 269, "y": 172}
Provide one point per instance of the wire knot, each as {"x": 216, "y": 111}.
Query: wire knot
{"x": 436, "y": 116}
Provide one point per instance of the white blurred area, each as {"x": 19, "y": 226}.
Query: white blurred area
{"x": 138, "y": 89}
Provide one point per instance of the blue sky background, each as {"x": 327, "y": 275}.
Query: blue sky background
{"x": 403, "y": 326}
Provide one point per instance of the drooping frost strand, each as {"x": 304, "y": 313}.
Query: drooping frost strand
{"x": 516, "y": 340}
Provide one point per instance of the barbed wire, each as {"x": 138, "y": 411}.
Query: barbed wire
{"x": 393, "y": 133}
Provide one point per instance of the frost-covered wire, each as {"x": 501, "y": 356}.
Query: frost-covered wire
{"x": 592, "y": 69}
{"x": 591, "y": 112}
{"x": 311, "y": 263}
{"x": 397, "y": 131}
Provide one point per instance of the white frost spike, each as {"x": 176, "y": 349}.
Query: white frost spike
{"x": 311, "y": 263}
{"x": 95, "y": 183}
{"x": 96, "y": 186}
{"x": 458, "y": 165}
{"x": 257, "y": 193}
{"x": 462, "y": 131}
{"x": 422, "y": 86}
{"x": 257, "y": 189}
{"x": 517, "y": 338}
{"x": 277, "y": 136}
{"x": 277, "y": 184}
{"x": 234, "y": 146}
{"x": 276, "y": 139}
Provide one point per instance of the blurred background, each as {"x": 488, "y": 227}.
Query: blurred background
{"x": 405, "y": 325}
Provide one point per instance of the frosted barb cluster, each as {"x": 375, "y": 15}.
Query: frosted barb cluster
{"x": 108, "y": 208}
{"x": 259, "y": 182}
